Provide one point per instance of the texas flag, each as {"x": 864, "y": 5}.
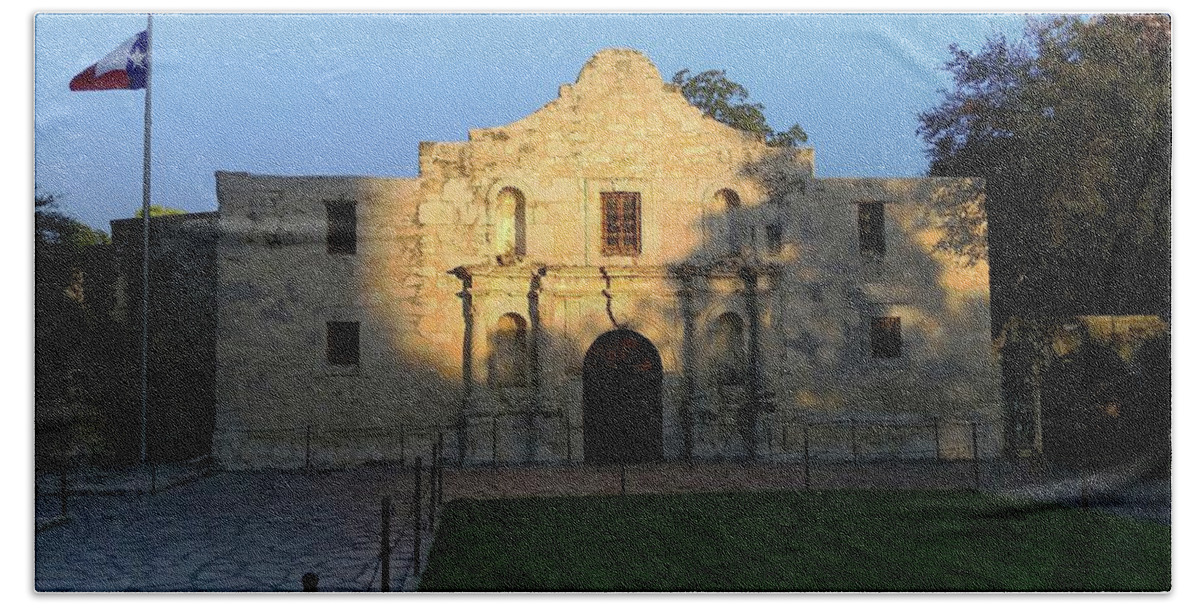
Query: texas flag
{"x": 124, "y": 68}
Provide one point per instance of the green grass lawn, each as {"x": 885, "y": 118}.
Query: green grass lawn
{"x": 792, "y": 541}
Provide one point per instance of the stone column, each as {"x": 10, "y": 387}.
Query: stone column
{"x": 534, "y": 369}
{"x": 535, "y": 334}
{"x": 468, "y": 379}
{"x": 687, "y": 311}
{"x": 748, "y": 414}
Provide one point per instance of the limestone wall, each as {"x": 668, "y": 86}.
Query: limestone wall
{"x": 831, "y": 289}
{"x": 509, "y": 223}
{"x": 279, "y": 288}
{"x": 618, "y": 128}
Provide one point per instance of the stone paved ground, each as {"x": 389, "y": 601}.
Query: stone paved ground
{"x": 256, "y": 531}
{"x": 262, "y": 531}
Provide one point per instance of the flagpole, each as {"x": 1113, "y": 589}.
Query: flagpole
{"x": 146, "y": 235}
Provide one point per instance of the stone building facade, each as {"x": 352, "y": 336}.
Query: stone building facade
{"x": 615, "y": 277}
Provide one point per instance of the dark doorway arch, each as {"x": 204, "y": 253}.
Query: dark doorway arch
{"x": 622, "y": 399}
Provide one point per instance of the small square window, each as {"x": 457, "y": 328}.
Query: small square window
{"x": 341, "y": 342}
{"x": 885, "y": 337}
{"x": 870, "y": 229}
{"x": 774, "y": 239}
{"x": 622, "y": 218}
{"x": 342, "y": 224}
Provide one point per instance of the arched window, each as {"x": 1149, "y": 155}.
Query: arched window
{"x": 735, "y": 228}
{"x": 728, "y": 350}
{"x": 510, "y": 222}
{"x": 507, "y": 364}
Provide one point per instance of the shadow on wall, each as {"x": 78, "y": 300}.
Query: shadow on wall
{"x": 776, "y": 312}
{"x": 291, "y": 301}
{"x": 832, "y": 291}
{"x": 339, "y": 340}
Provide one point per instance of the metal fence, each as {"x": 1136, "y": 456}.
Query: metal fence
{"x": 531, "y": 437}
{"x": 840, "y": 439}
{"x": 409, "y": 514}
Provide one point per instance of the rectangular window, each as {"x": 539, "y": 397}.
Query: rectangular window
{"x": 341, "y": 342}
{"x": 885, "y": 337}
{"x": 622, "y": 223}
{"x": 342, "y": 223}
{"x": 870, "y": 228}
{"x": 774, "y": 239}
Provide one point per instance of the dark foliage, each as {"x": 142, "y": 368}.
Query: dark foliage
{"x": 1071, "y": 127}
{"x": 70, "y": 331}
{"x": 727, "y": 101}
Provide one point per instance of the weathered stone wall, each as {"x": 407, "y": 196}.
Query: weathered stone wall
{"x": 831, "y": 290}
{"x": 427, "y": 335}
{"x": 279, "y": 288}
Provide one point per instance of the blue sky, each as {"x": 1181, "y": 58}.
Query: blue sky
{"x": 300, "y": 94}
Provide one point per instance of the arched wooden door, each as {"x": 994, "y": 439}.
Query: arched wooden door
{"x": 622, "y": 399}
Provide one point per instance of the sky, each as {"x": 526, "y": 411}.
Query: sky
{"x": 354, "y": 94}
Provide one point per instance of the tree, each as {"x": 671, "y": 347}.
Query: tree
{"x": 158, "y": 211}
{"x": 52, "y": 226}
{"x": 1071, "y": 127}
{"x": 726, "y": 101}
{"x": 67, "y": 336}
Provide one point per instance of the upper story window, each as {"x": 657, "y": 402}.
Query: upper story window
{"x": 622, "y": 223}
{"x": 510, "y": 223}
{"x": 342, "y": 227}
{"x": 871, "y": 239}
{"x": 736, "y": 232}
{"x": 341, "y": 342}
{"x": 774, "y": 239}
{"x": 507, "y": 365}
{"x": 885, "y": 337}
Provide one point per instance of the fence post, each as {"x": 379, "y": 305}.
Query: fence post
{"x": 975, "y": 451}
{"x": 937, "y": 439}
{"x": 854, "y": 440}
{"x": 807, "y": 471}
{"x": 460, "y": 441}
{"x": 416, "y": 557}
{"x": 440, "y": 467}
{"x": 495, "y": 432}
{"x": 432, "y": 486}
{"x": 308, "y": 448}
{"x": 531, "y": 437}
{"x": 310, "y": 582}
{"x": 62, "y": 492}
{"x": 567, "y": 423}
{"x": 385, "y": 545}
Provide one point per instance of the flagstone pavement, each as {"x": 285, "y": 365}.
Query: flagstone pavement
{"x": 262, "y": 531}
{"x": 256, "y": 531}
